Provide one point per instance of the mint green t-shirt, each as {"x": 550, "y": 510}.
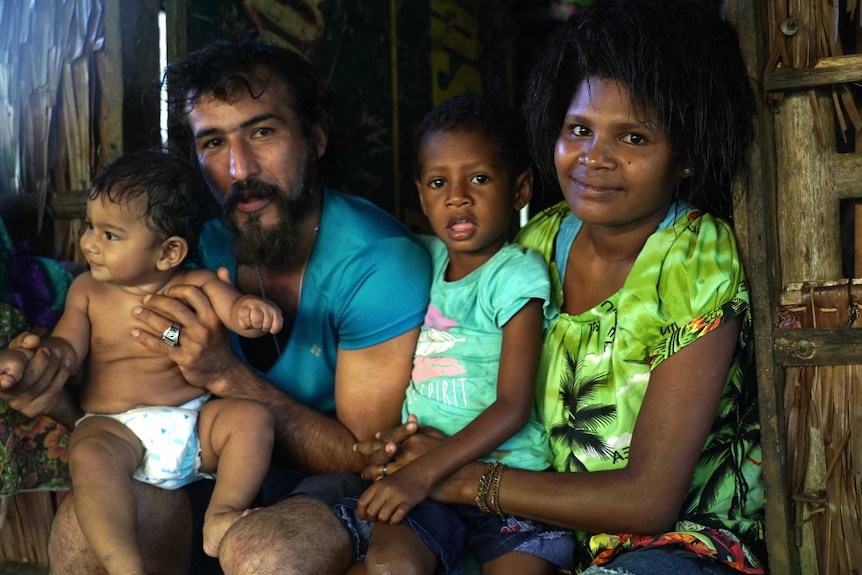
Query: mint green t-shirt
{"x": 458, "y": 353}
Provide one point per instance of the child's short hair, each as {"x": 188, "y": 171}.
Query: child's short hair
{"x": 166, "y": 187}
{"x": 675, "y": 57}
{"x": 481, "y": 115}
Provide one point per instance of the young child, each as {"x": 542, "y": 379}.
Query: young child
{"x": 144, "y": 217}
{"x": 475, "y": 365}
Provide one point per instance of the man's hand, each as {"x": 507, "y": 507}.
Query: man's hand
{"x": 397, "y": 447}
{"x": 203, "y": 352}
{"x": 37, "y": 389}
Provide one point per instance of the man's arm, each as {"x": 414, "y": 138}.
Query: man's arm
{"x": 369, "y": 382}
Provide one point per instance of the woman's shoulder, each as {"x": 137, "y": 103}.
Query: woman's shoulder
{"x": 542, "y": 228}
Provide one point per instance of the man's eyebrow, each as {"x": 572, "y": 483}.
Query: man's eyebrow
{"x": 204, "y": 132}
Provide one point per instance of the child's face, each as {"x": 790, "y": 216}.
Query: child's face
{"x": 467, "y": 192}
{"x": 614, "y": 168}
{"x": 118, "y": 245}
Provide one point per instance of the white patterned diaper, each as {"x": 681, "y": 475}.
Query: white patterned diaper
{"x": 172, "y": 450}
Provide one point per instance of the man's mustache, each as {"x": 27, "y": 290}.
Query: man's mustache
{"x": 249, "y": 190}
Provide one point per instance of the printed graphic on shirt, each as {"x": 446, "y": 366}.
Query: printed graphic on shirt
{"x": 435, "y": 373}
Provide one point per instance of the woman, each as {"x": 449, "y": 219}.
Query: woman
{"x": 640, "y": 114}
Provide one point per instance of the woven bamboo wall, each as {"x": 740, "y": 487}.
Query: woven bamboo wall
{"x": 808, "y": 361}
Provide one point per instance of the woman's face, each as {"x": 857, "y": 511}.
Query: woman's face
{"x": 614, "y": 165}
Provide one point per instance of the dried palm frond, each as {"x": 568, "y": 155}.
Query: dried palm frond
{"x": 823, "y": 410}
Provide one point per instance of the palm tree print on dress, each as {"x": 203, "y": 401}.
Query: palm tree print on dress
{"x": 736, "y": 430}
{"x": 578, "y": 431}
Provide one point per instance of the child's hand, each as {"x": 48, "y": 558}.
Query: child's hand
{"x": 390, "y": 498}
{"x": 260, "y": 314}
{"x": 12, "y": 364}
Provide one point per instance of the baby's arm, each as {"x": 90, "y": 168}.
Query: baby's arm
{"x": 388, "y": 499}
{"x": 246, "y": 315}
{"x": 70, "y": 339}
{"x": 12, "y": 363}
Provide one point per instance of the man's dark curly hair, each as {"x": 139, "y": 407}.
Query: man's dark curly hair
{"x": 166, "y": 187}
{"x": 481, "y": 115}
{"x": 222, "y": 67}
{"x": 675, "y": 57}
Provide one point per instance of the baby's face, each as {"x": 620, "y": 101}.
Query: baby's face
{"x": 119, "y": 247}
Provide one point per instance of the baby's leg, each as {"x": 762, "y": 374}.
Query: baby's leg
{"x": 397, "y": 550}
{"x": 516, "y": 562}
{"x": 103, "y": 456}
{"x": 236, "y": 438}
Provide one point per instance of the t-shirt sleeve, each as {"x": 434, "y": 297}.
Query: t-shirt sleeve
{"x": 688, "y": 281}
{"x": 383, "y": 293}
{"x": 514, "y": 280}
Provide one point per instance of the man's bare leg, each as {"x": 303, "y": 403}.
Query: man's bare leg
{"x": 299, "y": 535}
{"x": 164, "y": 533}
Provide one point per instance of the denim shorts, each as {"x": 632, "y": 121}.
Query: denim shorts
{"x": 660, "y": 561}
{"x": 448, "y": 530}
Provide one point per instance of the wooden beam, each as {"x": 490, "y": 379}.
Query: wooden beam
{"x": 847, "y": 175}
{"x": 828, "y": 71}
{"x": 764, "y": 277}
{"x": 818, "y": 346}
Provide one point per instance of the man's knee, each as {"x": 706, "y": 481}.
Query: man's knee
{"x": 164, "y": 534}
{"x": 68, "y": 550}
{"x": 297, "y": 536}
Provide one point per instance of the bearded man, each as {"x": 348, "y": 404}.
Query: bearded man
{"x": 352, "y": 285}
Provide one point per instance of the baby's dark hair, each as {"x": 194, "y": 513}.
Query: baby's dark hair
{"x": 479, "y": 114}
{"x": 676, "y": 57}
{"x": 223, "y": 67}
{"x": 166, "y": 187}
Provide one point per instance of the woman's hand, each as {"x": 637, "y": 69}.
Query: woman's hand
{"x": 203, "y": 351}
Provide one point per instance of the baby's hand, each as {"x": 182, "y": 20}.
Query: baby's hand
{"x": 260, "y": 314}
{"x": 12, "y": 364}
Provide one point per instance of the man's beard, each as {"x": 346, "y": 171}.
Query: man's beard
{"x": 274, "y": 245}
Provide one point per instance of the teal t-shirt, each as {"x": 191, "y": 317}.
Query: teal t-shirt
{"x": 367, "y": 281}
{"x": 458, "y": 354}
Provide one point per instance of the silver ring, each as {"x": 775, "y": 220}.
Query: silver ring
{"x": 171, "y": 336}
{"x": 384, "y": 469}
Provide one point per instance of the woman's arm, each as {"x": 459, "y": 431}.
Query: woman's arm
{"x": 644, "y": 497}
{"x": 670, "y": 433}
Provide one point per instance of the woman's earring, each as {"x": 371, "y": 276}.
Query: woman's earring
{"x": 686, "y": 172}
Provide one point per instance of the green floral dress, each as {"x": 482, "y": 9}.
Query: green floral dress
{"x": 595, "y": 369}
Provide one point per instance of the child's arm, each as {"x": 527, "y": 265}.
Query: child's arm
{"x": 246, "y": 315}
{"x": 392, "y": 497}
{"x": 70, "y": 339}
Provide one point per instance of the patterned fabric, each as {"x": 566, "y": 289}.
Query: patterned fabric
{"x": 596, "y": 366}
{"x": 32, "y": 293}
